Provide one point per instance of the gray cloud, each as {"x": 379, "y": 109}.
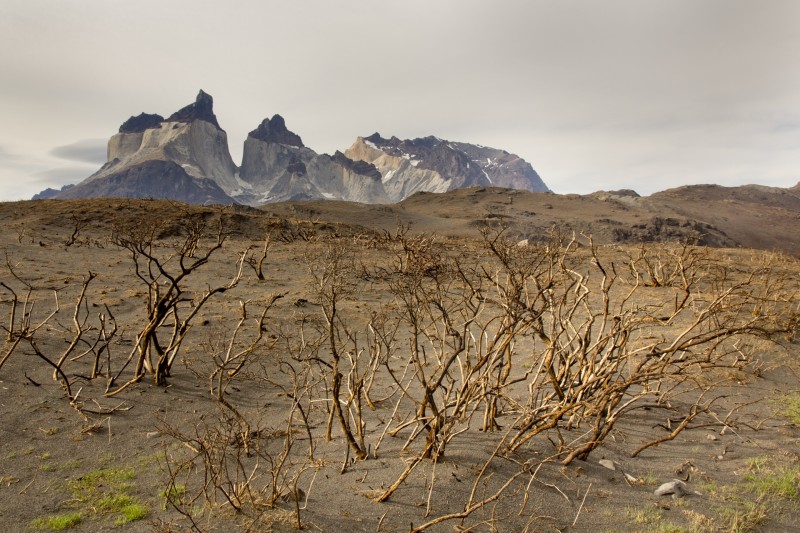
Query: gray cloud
{"x": 84, "y": 151}
{"x": 640, "y": 94}
{"x": 6, "y": 156}
{"x": 24, "y": 175}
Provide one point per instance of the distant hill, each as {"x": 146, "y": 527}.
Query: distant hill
{"x": 751, "y": 216}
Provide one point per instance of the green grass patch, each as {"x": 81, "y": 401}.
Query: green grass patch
{"x": 107, "y": 493}
{"x": 768, "y": 479}
{"x": 114, "y": 502}
{"x": 57, "y": 522}
{"x": 131, "y": 513}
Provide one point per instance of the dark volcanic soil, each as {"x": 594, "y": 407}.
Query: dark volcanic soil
{"x": 740, "y": 458}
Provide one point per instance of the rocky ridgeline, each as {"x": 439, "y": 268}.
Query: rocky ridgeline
{"x": 185, "y": 157}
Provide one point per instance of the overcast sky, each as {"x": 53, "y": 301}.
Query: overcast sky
{"x": 638, "y": 94}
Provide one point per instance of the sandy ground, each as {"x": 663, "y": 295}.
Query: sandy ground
{"x": 58, "y": 459}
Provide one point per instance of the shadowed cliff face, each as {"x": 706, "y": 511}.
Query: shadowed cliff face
{"x": 276, "y": 166}
{"x": 152, "y": 179}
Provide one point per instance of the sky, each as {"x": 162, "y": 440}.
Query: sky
{"x": 595, "y": 95}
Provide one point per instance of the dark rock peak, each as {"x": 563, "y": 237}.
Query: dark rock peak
{"x": 359, "y": 167}
{"x": 201, "y": 109}
{"x": 274, "y": 131}
{"x": 141, "y": 122}
{"x": 376, "y": 138}
{"x": 379, "y": 141}
{"x": 424, "y": 142}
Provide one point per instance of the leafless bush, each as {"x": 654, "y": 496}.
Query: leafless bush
{"x": 78, "y": 225}
{"x": 590, "y": 344}
{"x": 22, "y": 328}
{"x": 229, "y": 357}
{"x": 257, "y": 262}
{"x": 165, "y": 274}
{"x": 330, "y": 273}
{"x": 250, "y": 475}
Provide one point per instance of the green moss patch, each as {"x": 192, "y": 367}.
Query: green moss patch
{"x": 97, "y": 495}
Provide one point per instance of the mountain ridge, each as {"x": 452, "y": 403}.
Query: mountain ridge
{"x": 277, "y": 166}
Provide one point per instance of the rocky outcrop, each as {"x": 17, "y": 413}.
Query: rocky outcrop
{"x": 152, "y": 179}
{"x": 431, "y": 164}
{"x": 140, "y": 123}
{"x": 276, "y": 166}
{"x": 190, "y": 138}
{"x": 273, "y": 130}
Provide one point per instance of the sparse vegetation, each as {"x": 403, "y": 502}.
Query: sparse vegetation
{"x": 57, "y": 522}
{"x": 789, "y": 406}
{"x": 397, "y": 366}
{"x": 767, "y": 479}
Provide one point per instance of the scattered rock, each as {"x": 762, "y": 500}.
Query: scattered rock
{"x": 607, "y": 463}
{"x": 711, "y": 436}
{"x": 675, "y": 487}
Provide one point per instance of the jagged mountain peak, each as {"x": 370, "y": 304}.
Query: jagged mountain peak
{"x": 140, "y": 123}
{"x": 274, "y": 130}
{"x": 201, "y": 109}
{"x": 379, "y": 141}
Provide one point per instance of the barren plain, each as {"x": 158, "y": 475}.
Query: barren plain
{"x": 437, "y": 365}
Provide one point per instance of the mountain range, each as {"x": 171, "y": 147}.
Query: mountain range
{"x": 185, "y": 157}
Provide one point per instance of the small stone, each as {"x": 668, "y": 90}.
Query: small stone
{"x": 711, "y": 436}
{"x": 675, "y": 487}
{"x": 607, "y": 463}
{"x": 152, "y": 434}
